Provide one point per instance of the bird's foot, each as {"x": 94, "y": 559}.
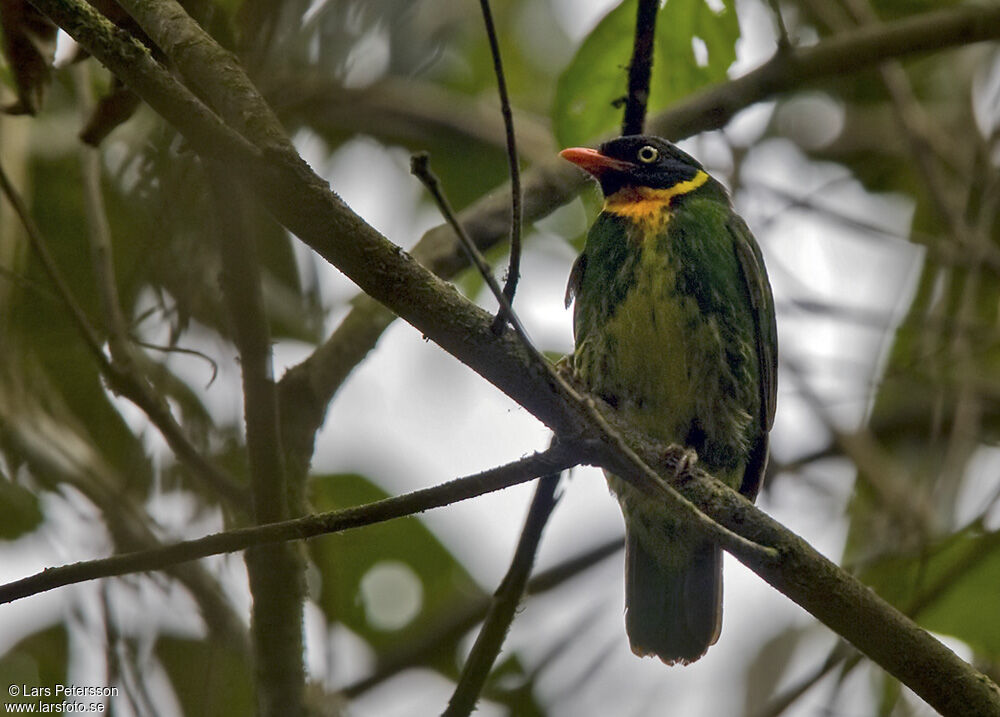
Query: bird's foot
{"x": 680, "y": 459}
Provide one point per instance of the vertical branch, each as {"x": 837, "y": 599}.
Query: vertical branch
{"x": 505, "y": 601}
{"x": 640, "y": 68}
{"x": 514, "y": 267}
{"x": 275, "y": 571}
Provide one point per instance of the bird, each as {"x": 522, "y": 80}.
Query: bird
{"x": 674, "y": 329}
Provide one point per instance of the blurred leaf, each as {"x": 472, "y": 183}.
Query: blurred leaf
{"x": 590, "y": 90}
{"x": 511, "y": 686}
{"x": 890, "y": 696}
{"x": 20, "y": 512}
{"x": 390, "y": 549}
{"x": 29, "y": 45}
{"x": 768, "y": 668}
{"x": 208, "y": 678}
{"x": 38, "y": 660}
{"x": 963, "y": 573}
{"x": 595, "y": 80}
{"x": 51, "y": 359}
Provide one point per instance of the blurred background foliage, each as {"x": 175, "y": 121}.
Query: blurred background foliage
{"x": 874, "y": 195}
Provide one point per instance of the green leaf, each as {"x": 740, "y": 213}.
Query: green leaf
{"x": 19, "y": 510}
{"x": 957, "y": 578}
{"x": 209, "y": 678}
{"x": 512, "y": 686}
{"x": 38, "y": 660}
{"x": 387, "y": 581}
{"x": 590, "y": 91}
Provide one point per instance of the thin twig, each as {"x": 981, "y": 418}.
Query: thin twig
{"x": 213, "y": 364}
{"x": 505, "y": 601}
{"x": 420, "y": 168}
{"x": 514, "y": 266}
{"x": 51, "y": 269}
{"x": 557, "y": 458}
{"x": 640, "y": 69}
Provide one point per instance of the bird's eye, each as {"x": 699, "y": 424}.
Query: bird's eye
{"x": 648, "y": 154}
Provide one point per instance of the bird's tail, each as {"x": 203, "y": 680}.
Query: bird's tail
{"x": 673, "y": 611}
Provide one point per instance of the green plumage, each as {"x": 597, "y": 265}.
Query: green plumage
{"x": 674, "y": 326}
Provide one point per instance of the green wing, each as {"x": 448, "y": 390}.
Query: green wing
{"x": 766, "y": 333}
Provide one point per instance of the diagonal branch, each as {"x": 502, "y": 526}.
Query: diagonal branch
{"x": 505, "y": 601}
{"x": 555, "y": 459}
{"x": 863, "y": 48}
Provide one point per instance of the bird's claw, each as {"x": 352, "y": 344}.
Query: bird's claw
{"x": 681, "y": 459}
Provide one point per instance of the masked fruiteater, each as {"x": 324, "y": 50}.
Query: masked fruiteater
{"x": 674, "y": 326}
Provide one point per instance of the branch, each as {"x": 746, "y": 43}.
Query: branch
{"x": 420, "y": 168}
{"x": 276, "y": 572}
{"x": 641, "y": 67}
{"x": 213, "y": 70}
{"x": 408, "y": 109}
{"x": 555, "y": 459}
{"x": 514, "y": 266}
{"x": 505, "y": 601}
{"x": 843, "y": 54}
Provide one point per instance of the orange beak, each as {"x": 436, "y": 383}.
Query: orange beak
{"x": 593, "y": 161}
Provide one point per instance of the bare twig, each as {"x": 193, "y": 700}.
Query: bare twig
{"x": 505, "y": 601}
{"x": 641, "y": 67}
{"x": 420, "y": 168}
{"x": 514, "y": 266}
{"x": 862, "y": 48}
{"x": 557, "y": 458}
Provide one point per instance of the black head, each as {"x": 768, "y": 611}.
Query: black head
{"x": 635, "y": 161}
